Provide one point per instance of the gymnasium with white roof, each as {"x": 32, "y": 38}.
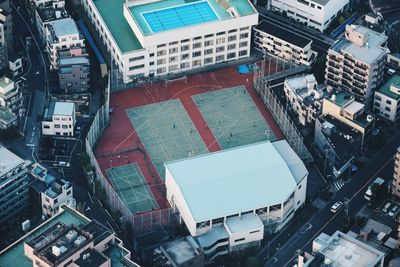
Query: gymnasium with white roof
{"x": 226, "y": 198}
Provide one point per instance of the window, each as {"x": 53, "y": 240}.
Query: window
{"x": 161, "y": 45}
{"x": 173, "y": 50}
{"x": 184, "y": 47}
{"x": 161, "y": 70}
{"x": 244, "y": 35}
{"x": 136, "y": 58}
{"x": 161, "y": 61}
{"x": 196, "y": 45}
{"x": 387, "y": 108}
{"x": 197, "y": 38}
{"x": 208, "y": 35}
{"x": 208, "y": 51}
{"x": 231, "y": 31}
{"x": 196, "y": 54}
{"x": 65, "y": 126}
{"x": 151, "y": 63}
{"x": 173, "y": 43}
{"x": 231, "y": 55}
{"x": 232, "y": 38}
{"x": 208, "y": 60}
{"x": 161, "y": 53}
{"x": 46, "y": 126}
{"x": 69, "y": 192}
{"x": 231, "y": 46}
{"x": 244, "y": 28}
{"x": 208, "y": 43}
{"x": 136, "y": 67}
{"x": 173, "y": 67}
{"x": 217, "y": 221}
{"x": 173, "y": 59}
{"x": 240, "y": 239}
{"x": 151, "y": 54}
{"x": 185, "y": 65}
{"x": 55, "y": 201}
{"x": 184, "y": 56}
{"x": 220, "y": 58}
{"x": 388, "y": 102}
{"x": 253, "y": 232}
{"x": 242, "y": 53}
{"x": 220, "y": 33}
{"x": 220, "y": 40}
{"x": 220, "y": 49}
{"x": 377, "y": 97}
{"x": 185, "y": 41}
{"x": 57, "y": 126}
{"x": 196, "y": 63}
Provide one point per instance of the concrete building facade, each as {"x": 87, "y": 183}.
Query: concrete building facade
{"x": 73, "y": 74}
{"x": 283, "y": 43}
{"x": 316, "y": 14}
{"x": 387, "y": 99}
{"x": 59, "y": 192}
{"x": 396, "y": 175}
{"x": 59, "y": 119}
{"x": 14, "y": 196}
{"x": 10, "y": 94}
{"x": 139, "y": 48}
{"x": 356, "y": 63}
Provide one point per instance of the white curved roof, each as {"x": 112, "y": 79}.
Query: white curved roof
{"x": 236, "y": 180}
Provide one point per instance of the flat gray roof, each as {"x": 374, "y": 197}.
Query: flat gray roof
{"x": 63, "y": 108}
{"x": 73, "y": 60}
{"x": 8, "y": 160}
{"x": 219, "y": 184}
{"x": 64, "y": 27}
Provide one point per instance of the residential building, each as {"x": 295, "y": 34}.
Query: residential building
{"x": 344, "y": 250}
{"x": 387, "y": 99}
{"x": 73, "y": 74}
{"x": 356, "y": 63}
{"x": 59, "y": 192}
{"x": 3, "y": 44}
{"x": 393, "y": 61}
{"x": 139, "y": 44}
{"x": 343, "y": 107}
{"x": 13, "y": 185}
{"x": 68, "y": 239}
{"x": 7, "y": 118}
{"x": 228, "y": 221}
{"x": 180, "y": 252}
{"x": 396, "y": 175}
{"x": 283, "y": 43}
{"x": 15, "y": 65}
{"x": 59, "y": 119}
{"x": 62, "y": 34}
{"x": 304, "y": 96}
{"x": 6, "y": 25}
{"x": 47, "y": 12}
{"x": 337, "y": 143}
{"x": 10, "y": 94}
{"x": 316, "y": 14}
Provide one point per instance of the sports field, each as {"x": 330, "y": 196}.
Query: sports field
{"x": 166, "y": 132}
{"x": 130, "y": 185}
{"x": 233, "y": 117}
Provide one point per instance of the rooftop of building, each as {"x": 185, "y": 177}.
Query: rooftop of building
{"x": 91, "y": 258}
{"x": 283, "y": 33}
{"x": 5, "y": 82}
{"x": 216, "y": 233}
{"x": 111, "y": 11}
{"x": 385, "y": 89}
{"x": 49, "y": 13}
{"x": 14, "y": 254}
{"x": 367, "y": 53}
{"x": 56, "y": 188}
{"x": 7, "y": 116}
{"x": 156, "y": 16}
{"x": 239, "y": 173}
{"x": 345, "y": 251}
{"x": 60, "y": 28}
{"x": 307, "y": 89}
{"x": 8, "y": 160}
{"x": 345, "y": 140}
{"x": 341, "y": 98}
{"x": 181, "y": 250}
{"x": 246, "y": 222}
{"x": 59, "y": 109}
{"x": 79, "y": 60}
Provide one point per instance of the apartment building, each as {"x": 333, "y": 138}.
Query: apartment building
{"x": 148, "y": 38}
{"x": 304, "y": 96}
{"x": 14, "y": 184}
{"x": 387, "y": 99}
{"x": 316, "y": 14}
{"x": 3, "y": 44}
{"x": 226, "y": 218}
{"x": 73, "y": 74}
{"x": 61, "y": 34}
{"x": 7, "y": 25}
{"x": 343, "y": 107}
{"x": 59, "y": 119}
{"x": 68, "y": 239}
{"x": 10, "y": 94}
{"x": 59, "y": 192}
{"x": 393, "y": 61}
{"x": 356, "y": 63}
{"x": 396, "y": 175}
{"x": 7, "y": 118}
{"x": 283, "y": 43}
{"x": 47, "y": 12}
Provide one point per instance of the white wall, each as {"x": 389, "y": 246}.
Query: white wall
{"x": 49, "y": 127}
{"x": 300, "y": 193}
{"x": 381, "y": 110}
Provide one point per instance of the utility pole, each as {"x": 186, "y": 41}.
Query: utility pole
{"x": 346, "y": 210}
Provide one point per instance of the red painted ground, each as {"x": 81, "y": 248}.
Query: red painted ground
{"x": 121, "y": 135}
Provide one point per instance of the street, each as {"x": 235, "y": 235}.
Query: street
{"x": 283, "y": 250}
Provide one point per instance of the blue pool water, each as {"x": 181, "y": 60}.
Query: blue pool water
{"x": 179, "y": 16}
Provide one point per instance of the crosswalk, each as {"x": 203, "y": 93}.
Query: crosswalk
{"x": 337, "y": 185}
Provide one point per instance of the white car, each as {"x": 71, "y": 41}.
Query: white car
{"x": 63, "y": 164}
{"x": 392, "y": 212}
{"x": 336, "y": 206}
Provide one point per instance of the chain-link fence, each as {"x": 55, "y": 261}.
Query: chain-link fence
{"x": 278, "y": 111}
{"x": 140, "y": 222}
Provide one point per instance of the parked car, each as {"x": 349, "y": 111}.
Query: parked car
{"x": 393, "y": 211}
{"x": 386, "y": 207}
{"x": 63, "y": 164}
{"x": 336, "y": 206}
